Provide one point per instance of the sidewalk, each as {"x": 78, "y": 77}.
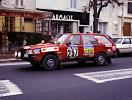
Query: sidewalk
{"x": 8, "y": 57}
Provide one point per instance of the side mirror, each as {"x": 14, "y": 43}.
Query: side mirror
{"x": 57, "y": 42}
{"x": 68, "y": 43}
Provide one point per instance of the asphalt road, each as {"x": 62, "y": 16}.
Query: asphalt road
{"x": 64, "y": 84}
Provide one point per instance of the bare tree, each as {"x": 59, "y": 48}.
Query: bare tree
{"x": 0, "y": 1}
{"x": 97, "y": 6}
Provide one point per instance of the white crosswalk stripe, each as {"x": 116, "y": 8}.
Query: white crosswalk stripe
{"x": 105, "y": 76}
{"x": 8, "y": 88}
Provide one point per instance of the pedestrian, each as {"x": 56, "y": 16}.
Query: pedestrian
{"x": 9, "y": 45}
{"x": 24, "y": 42}
{"x": 42, "y": 41}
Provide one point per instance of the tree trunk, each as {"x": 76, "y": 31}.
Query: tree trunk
{"x": 95, "y": 22}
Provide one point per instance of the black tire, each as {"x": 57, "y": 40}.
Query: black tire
{"x": 100, "y": 59}
{"x": 50, "y": 62}
{"x": 118, "y": 52}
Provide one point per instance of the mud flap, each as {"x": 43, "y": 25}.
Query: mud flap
{"x": 109, "y": 60}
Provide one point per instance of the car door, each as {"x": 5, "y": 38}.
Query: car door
{"x": 89, "y": 43}
{"x": 126, "y": 46}
{"x": 74, "y": 47}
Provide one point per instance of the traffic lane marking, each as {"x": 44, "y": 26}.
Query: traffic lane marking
{"x": 105, "y": 76}
{"x": 14, "y": 63}
{"x": 8, "y": 88}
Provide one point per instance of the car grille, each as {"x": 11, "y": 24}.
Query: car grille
{"x": 23, "y": 51}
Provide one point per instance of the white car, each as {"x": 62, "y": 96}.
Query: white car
{"x": 123, "y": 44}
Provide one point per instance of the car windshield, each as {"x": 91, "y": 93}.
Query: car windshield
{"x": 117, "y": 40}
{"x": 59, "y": 39}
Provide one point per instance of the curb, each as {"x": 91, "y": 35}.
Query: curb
{"x": 10, "y": 60}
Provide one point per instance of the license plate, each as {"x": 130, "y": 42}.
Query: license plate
{"x": 25, "y": 55}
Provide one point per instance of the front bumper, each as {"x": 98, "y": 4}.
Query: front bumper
{"x": 22, "y": 54}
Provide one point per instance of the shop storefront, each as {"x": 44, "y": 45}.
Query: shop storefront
{"x": 68, "y": 22}
{"x": 17, "y": 24}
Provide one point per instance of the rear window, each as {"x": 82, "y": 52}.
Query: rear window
{"x": 103, "y": 40}
{"x": 88, "y": 40}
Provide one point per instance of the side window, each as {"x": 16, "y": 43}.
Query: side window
{"x": 75, "y": 40}
{"x": 126, "y": 41}
{"x": 103, "y": 40}
{"x": 88, "y": 40}
{"x": 131, "y": 40}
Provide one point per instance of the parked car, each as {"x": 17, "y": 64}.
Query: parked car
{"x": 68, "y": 47}
{"x": 123, "y": 44}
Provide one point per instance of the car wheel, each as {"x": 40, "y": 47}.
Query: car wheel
{"x": 50, "y": 62}
{"x": 100, "y": 59}
{"x": 118, "y": 52}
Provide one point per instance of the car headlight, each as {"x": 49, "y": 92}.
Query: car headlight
{"x": 15, "y": 54}
{"x": 19, "y": 54}
{"x": 36, "y": 51}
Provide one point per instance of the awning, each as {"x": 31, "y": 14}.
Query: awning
{"x": 24, "y": 13}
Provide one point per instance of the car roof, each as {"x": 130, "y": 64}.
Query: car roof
{"x": 123, "y": 37}
{"x": 78, "y": 33}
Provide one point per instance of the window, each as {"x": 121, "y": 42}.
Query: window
{"x": 126, "y": 41}
{"x": 62, "y": 38}
{"x": 73, "y": 3}
{"x": 129, "y": 7}
{"x": 38, "y": 25}
{"x": 103, "y": 40}
{"x": 19, "y": 2}
{"x": 75, "y": 40}
{"x": 131, "y": 40}
{"x": 103, "y": 27}
{"x": 115, "y": 28}
{"x": 10, "y": 24}
{"x": 46, "y": 26}
{"x": 117, "y": 40}
{"x": 88, "y": 40}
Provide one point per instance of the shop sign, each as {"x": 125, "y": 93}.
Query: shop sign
{"x": 20, "y": 14}
{"x": 62, "y": 17}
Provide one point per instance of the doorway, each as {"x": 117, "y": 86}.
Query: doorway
{"x": 127, "y": 29}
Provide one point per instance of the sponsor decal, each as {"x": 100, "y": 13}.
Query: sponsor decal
{"x": 26, "y": 47}
{"x": 49, "y": 49}
{"x": 89, "y": 50}
{"x": 72, "y": 52}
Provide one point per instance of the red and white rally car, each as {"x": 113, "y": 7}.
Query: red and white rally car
{"x": 65, "y": 48}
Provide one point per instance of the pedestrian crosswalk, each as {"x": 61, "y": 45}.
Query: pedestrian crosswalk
{"x": 105, "y": 76}
{"x": 8, "y": 88}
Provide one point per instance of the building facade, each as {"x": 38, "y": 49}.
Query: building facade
{"x": 18, "y": 17}
{"x": 117, "y": 21}
{"x": 69, "y": 16}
